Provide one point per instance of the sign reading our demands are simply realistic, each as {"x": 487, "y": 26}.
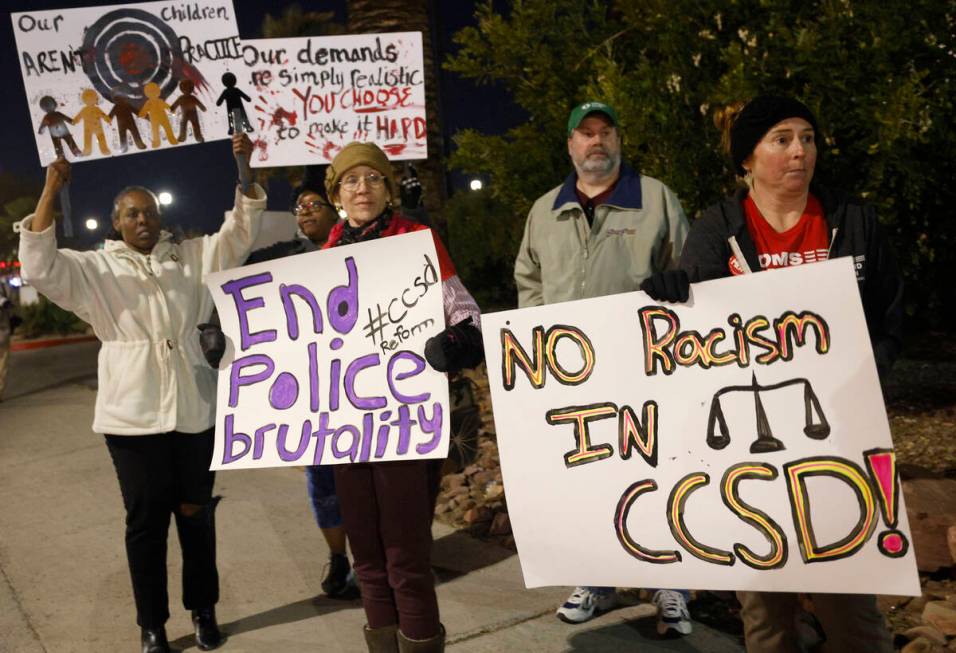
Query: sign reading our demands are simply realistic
{"x": 738, "y": 441}
{"x": 120, "y": 79}
{"x": 324, "y": 362}
{"x": 314, "y": 95}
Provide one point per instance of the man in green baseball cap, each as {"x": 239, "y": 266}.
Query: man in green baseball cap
{"x": 604, "y": 230}
{"x": 582, "y": 111}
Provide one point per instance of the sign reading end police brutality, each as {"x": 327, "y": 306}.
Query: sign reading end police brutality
{"x": 324, "y": 363}
{"x": 736, "y": 442}
{"x": 314, "y": 95}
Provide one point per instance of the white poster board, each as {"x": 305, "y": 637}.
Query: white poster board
{"x": 636, "y": 452}
{"x": 324, "y": 360}
{"x": 107, "y": 81}
{"x": 313, "y": 95}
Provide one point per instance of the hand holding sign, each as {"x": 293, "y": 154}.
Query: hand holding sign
{"x": 241, "y": 150}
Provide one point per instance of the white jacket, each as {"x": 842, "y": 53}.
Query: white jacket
{"x": 145, "y": 308}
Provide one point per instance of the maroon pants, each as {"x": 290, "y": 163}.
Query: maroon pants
{"x": 387, "y": 510}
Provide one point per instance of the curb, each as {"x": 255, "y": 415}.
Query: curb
{"x": 24, "y": 345}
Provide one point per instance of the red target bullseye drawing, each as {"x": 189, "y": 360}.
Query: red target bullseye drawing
{"x": 128, "y": 48}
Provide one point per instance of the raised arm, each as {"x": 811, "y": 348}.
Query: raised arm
{"x": 57, "y": 174}
{"x": 230, "y": 246}
{"x": 61, "y": 275}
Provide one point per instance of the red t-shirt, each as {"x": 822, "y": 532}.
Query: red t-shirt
{"x": 805, "y": 242}
{"x": 402, "y": 225}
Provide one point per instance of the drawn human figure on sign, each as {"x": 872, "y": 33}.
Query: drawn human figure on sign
{"x": 125, "y": 116}
{"x": 91, "y": 116}
{"x": 156, "y": 109}
{"x": 56, "y": 123}
{"x": 187, "y": 103}
{"x": 233, "y": 98}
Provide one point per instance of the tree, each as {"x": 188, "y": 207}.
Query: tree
{"x": 881, "y": 78}
{"x": 18, "y": 197}
{"x": 371, "y": 16}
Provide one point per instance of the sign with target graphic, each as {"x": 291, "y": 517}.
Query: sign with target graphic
{"x": 121, "y": 79}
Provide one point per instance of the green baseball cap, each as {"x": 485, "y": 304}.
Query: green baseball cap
{"x": 581, "y": 111}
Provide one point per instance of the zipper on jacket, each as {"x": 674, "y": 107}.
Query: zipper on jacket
{"x": 833, "y": 235}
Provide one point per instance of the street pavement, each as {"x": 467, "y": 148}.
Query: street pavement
{"x": 64, "y": 583}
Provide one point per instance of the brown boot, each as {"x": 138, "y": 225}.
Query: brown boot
{"x": 434, "y": 644}
{"x": 381, "y": 640}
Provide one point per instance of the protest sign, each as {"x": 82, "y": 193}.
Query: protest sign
{"x": 313, "y": 95}
{"x": 113, "y": 80}
{"x": 324, "y": 360}
{"x": 735, "y": 442}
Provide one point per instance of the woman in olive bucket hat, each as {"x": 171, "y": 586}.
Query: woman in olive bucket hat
{"x": 388, "y": 506}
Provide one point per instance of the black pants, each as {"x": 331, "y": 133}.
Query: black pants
{"x": 156, "y": 474}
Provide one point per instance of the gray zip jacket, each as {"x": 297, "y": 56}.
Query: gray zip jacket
{"x": 640, "y": 230}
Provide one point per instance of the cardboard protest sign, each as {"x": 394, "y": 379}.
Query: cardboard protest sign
{"x": 324, "y": 361}
{"x": 119, "y": 79}
{"x": 738, "y": 441}
{"x": 313, "y": 95}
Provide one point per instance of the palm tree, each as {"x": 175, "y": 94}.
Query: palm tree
{"x": 294, "y": 21}
{"x": 376, "y": 16}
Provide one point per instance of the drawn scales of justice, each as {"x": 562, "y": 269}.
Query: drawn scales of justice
{"x": 816, "y": 425}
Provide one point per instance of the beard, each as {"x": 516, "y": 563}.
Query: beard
{"x": 598, "y": 164}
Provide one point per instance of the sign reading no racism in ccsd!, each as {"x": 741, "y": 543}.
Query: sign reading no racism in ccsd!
{"x": 120, "y": 79}
{"x": 736, "y": 442}
{"x": 324, "y": 360}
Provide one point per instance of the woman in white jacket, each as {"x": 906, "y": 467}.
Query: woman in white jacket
{"x": 143, "y": 295}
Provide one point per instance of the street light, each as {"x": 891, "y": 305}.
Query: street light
{"x": 92, "y": 224}
{"x": 165, "y": 198}
{"x": 475, "y": 184}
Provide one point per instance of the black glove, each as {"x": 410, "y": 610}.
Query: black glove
{"x": 212, "y": 341}
{"x": 667, "y": 286}
{"x": 410, "y": 189}
{"x": 456, "y": 348}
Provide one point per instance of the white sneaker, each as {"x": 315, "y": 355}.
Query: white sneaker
{"x": 672, "y": 612}
{"x": 583, "y": 604}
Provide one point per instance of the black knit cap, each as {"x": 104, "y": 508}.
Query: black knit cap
{"x": 314, "y": 181}
{"x": 756, "y": 119}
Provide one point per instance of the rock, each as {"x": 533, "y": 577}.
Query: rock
{"x": 452, "y": 481}
{"x": 926, "y": 632}
{"x": 501, "y": 524}
{"x": 942, "y": 615}
{"x": 477, "y": 515}
{"x": 461, "y": 490}
{"x": 471, "y": 470}
{"x": 916, "y": 605}
{"x": 483, "y": 478}
{"x": 931, "y": 508}
{"x": 951, "y": 540}
{"x": 494, "y": 491}
{"x": 922, "y": 645}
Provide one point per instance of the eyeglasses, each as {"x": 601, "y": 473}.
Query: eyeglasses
{"x": 372, "y": 179}
{"x": 309, "y": 207}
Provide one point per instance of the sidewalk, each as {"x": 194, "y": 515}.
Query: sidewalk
{"x": 64, "y": 583}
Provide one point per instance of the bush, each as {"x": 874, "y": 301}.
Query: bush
{"x": 483, "y": 238}
{"x": 880, "y": 76}
{"x": 46, "y": 318}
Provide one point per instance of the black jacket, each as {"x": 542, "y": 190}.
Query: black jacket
{"x": 854, "y": 231}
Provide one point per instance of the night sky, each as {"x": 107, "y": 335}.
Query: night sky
{"x": 201, "y": 178}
